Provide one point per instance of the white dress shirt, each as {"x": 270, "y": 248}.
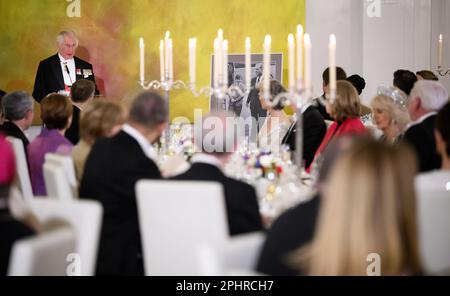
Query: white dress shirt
{"x": 68, "y": 80}
{"x": 146, "y": 147}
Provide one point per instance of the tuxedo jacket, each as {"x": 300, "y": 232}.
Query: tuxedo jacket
{"x": 421, "y": 137}
{"x": 240, "y": 198}
{"x": 314, "y": 129}
{"x": 112, "y": 169}
{"x": 73, "y": 132}
{"x": 12, "y": 130}
{"x": 253, "y": 100}
{"x": 292, "y": 230}
{"x": 49, "y": 76}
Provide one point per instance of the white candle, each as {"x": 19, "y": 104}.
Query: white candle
{"x": 299, "y": 55}
{"x": 142, "y": 62}
{"x": 225, "y": 63}
{"x": 266, "y": 63}
{"x": 220, "y": 55}
{"x": 170, "y": 59}
{"x": 307, "y": 43}
{"x": 248, "y": 75}
{"x": 332, "y": 60}
{"x": 440, "y": 47}
{"x": 166, "y": 55}
{"x": 216, "y": 63}
{"x": 161, "y": 60}
{"x": 291, "y": 62}
{"x": 192, "y": 59}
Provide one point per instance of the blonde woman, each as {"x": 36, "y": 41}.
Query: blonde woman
{"x": 277, "y": 122}
{"x": 101, "y": 118}
{"x": 390, "y": 114}
{"x": 369, "y": 208}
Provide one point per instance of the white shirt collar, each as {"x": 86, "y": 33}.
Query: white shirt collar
{"x": 146, "y": 147}
{"x": 205, "y": 158}
{"x": 422, "y": 119}
{"x": 62, "y": 59}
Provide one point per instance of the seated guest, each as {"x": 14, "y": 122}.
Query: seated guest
{"x": 81, "y": 93}
{"x": 345, "y": 110}
{"x": 2, "y": 116}
{"x": 101, "y": 118}
{"x": 314, "y": 129}
{"x": 368, "y": 207}
{"x": 18, "y": 111}
{"x": 112, "y": 169}
{"x": 439, "y": 179}
{"x": 295, "y": 227}
{"x": 11, "y": 230}
{"x": 277, "y": 122}
{"x": 426, "y": 98}
{"x": 320, "y": 103}
{"x": 240, "y": 198}
{"x": 426, "y": 75}
{"x": 56, "y": 114}
{"x": 390, "y": 114}
{"x": 404, "y": 80}
{"x": 358, "y": 82}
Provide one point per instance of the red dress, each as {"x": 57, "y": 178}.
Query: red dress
{"x": 348, "y": 126}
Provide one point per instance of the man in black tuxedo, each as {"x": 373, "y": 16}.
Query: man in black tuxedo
{"x": 314, "y": 129}
{"x": 426, "y": 98}
{"x": 240, "y": 198}
{"x": 18, "y": 111}
{"x": 112, "y": 169}
{"x": 58, "y": 72}
{"x": 81, "y": 93}
{"x": 256, "y": 110}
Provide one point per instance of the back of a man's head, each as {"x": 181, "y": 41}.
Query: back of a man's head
{"x": 149, "y": 110}
{"x": 358, "y": 82}
{"x": 404, "y": 80}
{"x": 216, "y": 134}
{"x": 340, "y": 75}
{"x": 16, "y": 105}
{"x": 443, "y": 126}
{"x": 82, "y": 90}
{"x": 432, "y": 94}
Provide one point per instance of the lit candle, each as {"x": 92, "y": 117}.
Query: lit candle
{"x": 216, "y": 63}
{"x": 192, "y": 59}
{"x": 170, "y": 59}
{"x": 299, "y": 55}
{"x": 307, "y": 43}
{"x": 220, "y": 55}
{"x": 332, "y": 60}
{"x": 248, "y": 75}
{"x": 161, "y": 60}
{"x": 440, "y": 47}
{"x": 142, "y": 62}
{"x": 166, "y": 55}
{"x": 291, "y": 61}
{"x": 266, "y": 63}
{"x": 225, "y": 63}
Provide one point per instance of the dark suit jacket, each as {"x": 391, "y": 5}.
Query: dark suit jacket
{"x": 49, "y": 76}
{"x": 240, "y": 198}
{"x": 253, "y": 99}
{"x": 73, "y": 132}
{"x": 292, "y": 230}
{"x": 11, "y": 231}
{"x": 314, "y": 129}
{"x": 421, "y": 137}
{"x": 321, "y": 108}
{"x": 12, "y": 130}
{"x": 112, "y": 169}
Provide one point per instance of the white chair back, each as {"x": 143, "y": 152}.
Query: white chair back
{"x": 238, "y": 256}
{"x": 56, "y": 182}
{"x": 434, "y": 233}
{"x": 43, "y": 255}
{"x": 67, "y": 163}
{"x": 175, "y": 217}
{"x": 23, "y": 175}
{"x": 85, "y": 216}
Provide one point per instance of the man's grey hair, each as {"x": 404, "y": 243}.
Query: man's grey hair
{"x": 69, "y": 33}
{"x": 149, "y": 109}
{"x": 432, "y": 94}
{"x": 15, "y": 105}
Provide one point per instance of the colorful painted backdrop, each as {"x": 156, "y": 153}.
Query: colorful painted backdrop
{"x": 109, "y": 32}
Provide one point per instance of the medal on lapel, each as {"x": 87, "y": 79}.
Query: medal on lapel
{"x": 87, "y": 73}
{"x": 78, "y": 71}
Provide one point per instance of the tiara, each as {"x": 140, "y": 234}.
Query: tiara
{"x": 398, "y": 96}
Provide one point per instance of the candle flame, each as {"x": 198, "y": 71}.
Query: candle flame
{"x": 440, "y": 37}
{"x": 267, "y": 39}
{"x": 332, "y": 39}
{"x": 291, "y": 39}
{"x": 167, "y": 34}
{"x": 220, "y": 33}
{"x": 307, "y": 40}
{"x": 141, "y": 42}
{"x": 299, "y": 29}
{"x": 247, "y": 42}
